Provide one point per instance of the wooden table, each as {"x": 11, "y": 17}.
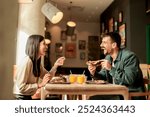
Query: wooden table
{"x": 84, "y": 89}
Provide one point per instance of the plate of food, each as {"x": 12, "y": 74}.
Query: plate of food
{"x": 96, "y": 82}
{"x": 59, "y": 80}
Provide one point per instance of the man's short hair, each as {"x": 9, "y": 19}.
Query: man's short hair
{"x": 115, "y": 37}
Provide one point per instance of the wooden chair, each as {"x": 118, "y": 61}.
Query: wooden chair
{"x": 146, "y": 93}
{"x": 145, "y": 70}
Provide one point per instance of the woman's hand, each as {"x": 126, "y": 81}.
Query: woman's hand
{"x": 59, "y": 61}
{"x": 46, "y": 78}
{"x": 37, "y": 94}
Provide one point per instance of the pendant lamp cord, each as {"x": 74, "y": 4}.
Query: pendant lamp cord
{"x": 70, "y": 8}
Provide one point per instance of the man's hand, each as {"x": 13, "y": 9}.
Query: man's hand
{"x": 106, "y": 64}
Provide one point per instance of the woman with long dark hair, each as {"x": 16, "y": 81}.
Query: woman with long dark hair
{"x": 30, "y": 70}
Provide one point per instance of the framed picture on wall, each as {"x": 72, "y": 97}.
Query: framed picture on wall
{"x": 111, "y": 24}
{"x": 70, "y": 50}
{"x": 93, "y": 48}
{"x": 82, "y": 56}
{"x": 122, "y": 32}
{"x": 116, "y": 26}
{"x": 120, "y": 16}
{"x": 63, "y": 35}
{"x": 82, "y": 44}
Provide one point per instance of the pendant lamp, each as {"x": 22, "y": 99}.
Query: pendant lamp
{"x": 70, "y": 24}
{"x": 52, "y": 12}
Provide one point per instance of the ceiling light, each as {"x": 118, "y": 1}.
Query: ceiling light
{"x": 52, "y": 12}
{"x": 70, "y": 28}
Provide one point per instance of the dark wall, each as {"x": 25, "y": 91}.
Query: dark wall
{"x": 113, "y": 11}
{"x": 138, "y": 28}
{"x": 136, "y": 19}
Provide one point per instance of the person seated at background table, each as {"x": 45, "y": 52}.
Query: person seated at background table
{"x": 30, "y": 70}
{"x": 120, "y": 66}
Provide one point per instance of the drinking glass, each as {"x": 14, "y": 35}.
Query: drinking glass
{"x": 72, "y": 78}
{"x": 81, "y": 79}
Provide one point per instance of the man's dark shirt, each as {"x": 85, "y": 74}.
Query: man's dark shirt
{"x": 126, "y": 71}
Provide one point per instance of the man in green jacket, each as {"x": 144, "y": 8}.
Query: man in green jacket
{"x": 120, "y": 66}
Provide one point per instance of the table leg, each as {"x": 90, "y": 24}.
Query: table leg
{"x": 84, "y": 97}
{"x": 43, "y": 95}
{"x": 64, "y": 97}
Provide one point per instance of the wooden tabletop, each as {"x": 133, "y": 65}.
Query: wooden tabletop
{"x": 84, "y": 89}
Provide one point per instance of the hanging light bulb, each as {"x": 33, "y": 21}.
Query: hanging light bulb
{"x": 52, "y": 12}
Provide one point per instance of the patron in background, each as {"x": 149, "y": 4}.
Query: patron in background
{"x": 120, "y": 66}
{"x": 30, "y": 70}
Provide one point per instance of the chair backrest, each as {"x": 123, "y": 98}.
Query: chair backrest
{"x": 144, "y": 68}
{"x": 146, "y": 93}
{"x": 147, "y": 83}
{"x": 147, "y": 88}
